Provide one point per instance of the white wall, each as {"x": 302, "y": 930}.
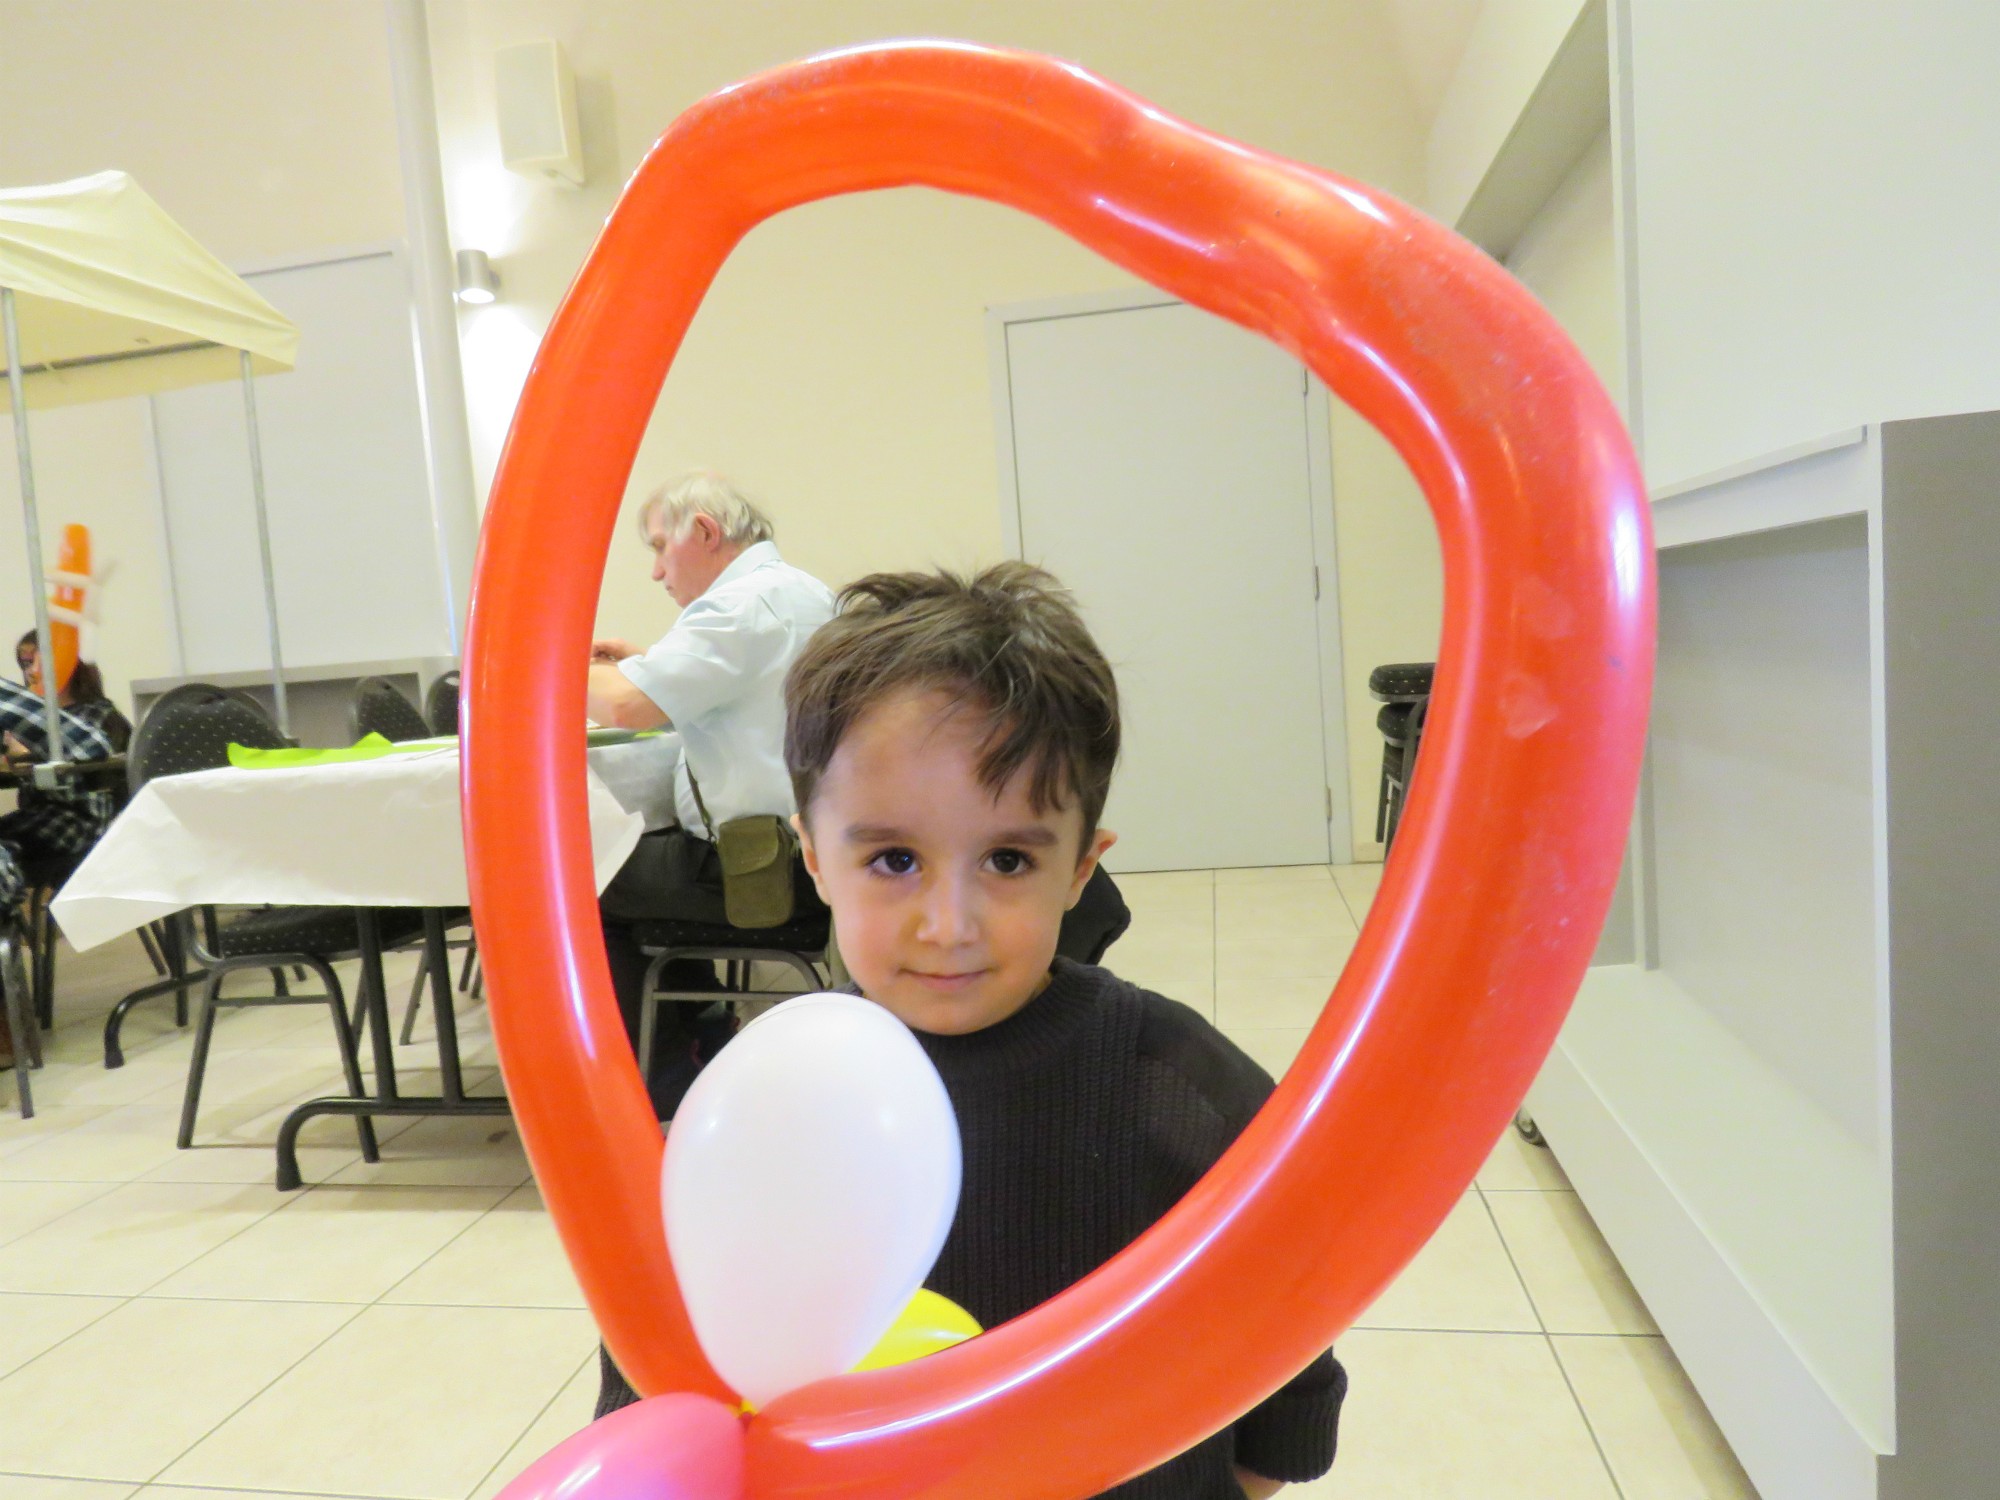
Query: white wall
{"x": 1568, "y": 260}
{"x": 1568, "y": 257}
{"x": 1816, "y": 215}
{"x": 1506, "y": 55}
{"x": 265, "y": 130}
{"x": 839, "y": 365}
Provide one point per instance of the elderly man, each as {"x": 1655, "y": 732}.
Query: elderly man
{"x": 717, "y": 678}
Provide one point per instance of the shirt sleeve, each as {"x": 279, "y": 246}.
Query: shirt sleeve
{"x": 1204, "y": 1091}
{"x": 1293, "y": 1433}
{"x": 25, "y": 716}
{"x": 710, "y": 657}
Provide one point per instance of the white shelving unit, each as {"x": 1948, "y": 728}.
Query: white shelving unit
{"x": 1784, "y": 1110}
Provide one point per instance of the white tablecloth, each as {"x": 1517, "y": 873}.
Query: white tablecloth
{"x": 382, "y": 832}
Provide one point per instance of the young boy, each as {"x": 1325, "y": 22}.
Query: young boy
{"x": 951, "y": 743}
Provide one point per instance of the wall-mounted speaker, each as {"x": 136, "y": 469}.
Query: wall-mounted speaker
{"x": 536, "y": 98}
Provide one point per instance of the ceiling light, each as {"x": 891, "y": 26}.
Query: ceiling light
{"x": 478, "y": 283}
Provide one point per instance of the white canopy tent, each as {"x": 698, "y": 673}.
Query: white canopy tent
{"x": 101, "y": 296}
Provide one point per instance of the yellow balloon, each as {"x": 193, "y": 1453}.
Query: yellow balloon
{"x": 928, "y": 1324}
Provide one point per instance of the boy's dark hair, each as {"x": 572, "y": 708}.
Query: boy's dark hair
{"x": 1008, "y": 643}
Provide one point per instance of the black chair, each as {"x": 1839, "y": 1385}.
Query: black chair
{"x": 46, "y": 872}
{"x": 379, "y": 707}
{"x": 799, "y": 945}
{"x": 441, "y": 704}
{"x": 191, "y": 729}
{"x": 1099, "y": 918}
{"x": 1404, "y": 690}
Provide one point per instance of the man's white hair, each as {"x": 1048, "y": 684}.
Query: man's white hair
{"x": 704, "y": 493}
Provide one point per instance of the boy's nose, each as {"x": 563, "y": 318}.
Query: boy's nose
{"x": 948, "y": 916}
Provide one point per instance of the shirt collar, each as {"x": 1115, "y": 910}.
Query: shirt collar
{"x": 747, "y": 561}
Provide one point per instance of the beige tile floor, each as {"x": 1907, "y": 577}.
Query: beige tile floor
{"x": 170, "y": 1326}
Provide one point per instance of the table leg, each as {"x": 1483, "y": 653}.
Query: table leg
{"x": 376, "y": 990}
{"x": 437, "y": 962}
{"x": 387, "y": 1100}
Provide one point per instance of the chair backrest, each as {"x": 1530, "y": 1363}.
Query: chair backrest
{"x": 1402, "y": 682}
{"x": 379, "y": 707}
{"x": 1098, "y": 920}
{"x": 441, "y": 704}
{"x": 191, "y": 729}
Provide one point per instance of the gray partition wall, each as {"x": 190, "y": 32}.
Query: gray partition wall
{"x": 1784, "y": 1109}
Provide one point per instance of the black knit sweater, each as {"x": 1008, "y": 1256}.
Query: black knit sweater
{"x": 1084, "y": 1117}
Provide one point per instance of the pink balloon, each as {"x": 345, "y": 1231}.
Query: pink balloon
{"x": 678, "y": 1447}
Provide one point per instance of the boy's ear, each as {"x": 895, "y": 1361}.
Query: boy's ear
{"x": 1102, "y": 840}
{"x": 809, "y": 853}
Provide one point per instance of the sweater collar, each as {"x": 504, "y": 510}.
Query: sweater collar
{"x": 1039, "y": 1029}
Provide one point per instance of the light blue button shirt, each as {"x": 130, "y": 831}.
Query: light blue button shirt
{"x": 719, "y": 675}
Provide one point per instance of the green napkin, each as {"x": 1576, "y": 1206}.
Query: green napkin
{"x": 374, "y": 746}
{"x": 368, "y": 747}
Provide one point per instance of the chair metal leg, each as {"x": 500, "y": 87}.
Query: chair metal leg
{"x": 13, "y": 992}
{"x": 42, "y": 950}
{"x": 1407, "y": 769}
{"x": 649, "y": 1016}
{"x": 21, "y": 965}
{"x": 153, "y": 955}
{"x": 177, "y": 959}
{"x": 1389, "y": 786}
{"x": 416, "y": 999}
{"x": 471, "y": 962}
{"x": 198, "y": 1063}
{"x": 437, "y": 964}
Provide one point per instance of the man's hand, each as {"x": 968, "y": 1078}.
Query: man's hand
{"x": 1256, "y": 1486}
{"x": 612, "y": 649}
{"x": 610, "y": 698}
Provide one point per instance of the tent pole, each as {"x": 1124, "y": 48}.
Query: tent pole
{"x": 17, "y": 390}
{"x": 264, "y": 545}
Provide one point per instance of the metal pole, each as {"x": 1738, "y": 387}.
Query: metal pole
{"x": 17, "y": 390}
{"x": 264, "y": 546}
{"x": 434, "y": 282}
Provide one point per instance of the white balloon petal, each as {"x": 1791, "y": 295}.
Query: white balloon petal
{"x": 811, "y": 1176}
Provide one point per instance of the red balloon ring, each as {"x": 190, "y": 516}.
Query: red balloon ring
{"x": 1504, "y": 864}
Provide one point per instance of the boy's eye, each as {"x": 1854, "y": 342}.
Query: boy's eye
{"x": 894, "y": 861}
{"x": 1010, "y": 862}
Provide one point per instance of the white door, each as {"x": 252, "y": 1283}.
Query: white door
{"x": 1163, "y": 467}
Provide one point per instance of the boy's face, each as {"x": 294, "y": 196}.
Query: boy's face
{"x": 946, "y": 899}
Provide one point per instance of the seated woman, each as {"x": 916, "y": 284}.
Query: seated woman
{"x": 49, "y": 830}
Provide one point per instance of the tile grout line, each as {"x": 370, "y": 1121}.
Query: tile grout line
{"x": 78, "y": 1479}
{"x": 1555, "y": 1353}
{"x": 547, "y": 1407}
{"x": 227, "y": 1416}
{"x": 120, "y": 1305}
{"x": 359, "y": 1309}
{"x": 109, "y": 1188}
{"x": 232, "y": 1489}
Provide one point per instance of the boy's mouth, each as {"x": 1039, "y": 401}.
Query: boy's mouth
{"x": 945, "y": 983}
